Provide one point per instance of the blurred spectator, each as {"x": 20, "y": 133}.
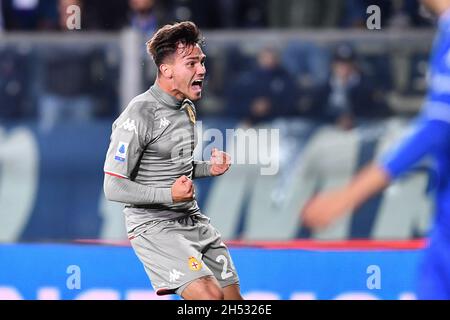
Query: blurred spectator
{"x": 220, "y": 13}
{"x": 348, "y": 93}
{"x": 251, "y": 13}
{"x": 14, "y": 83}
{"x": 400, "y": 13}
{"x": 29, "y": 15}
{"x": 206, "y": 14}
{"x": 408, "y": 13}
{"x": 143, "y": 16}
{"x": 63, "y": 14}
{"x": 354, "y": 14}
{"x": 229, "y": 13}
{"x": 66, "y": 92}
{"x": 104, "y": 15}
{"x": 304, "y": 13}
{"x": 71, "y": 80}
{"x": 307, "y": 63}
{"x": 77, "y": 84}
{"x": 2, "y": 26}
{"x": 265, "y": 92}
{"x": 52, "y": 14}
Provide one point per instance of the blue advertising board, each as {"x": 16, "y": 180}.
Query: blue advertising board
{"x": 74, "y": 271}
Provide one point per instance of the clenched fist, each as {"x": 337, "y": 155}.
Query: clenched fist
{"x": 220, "y": 162}
{"x": 182, "y": 189}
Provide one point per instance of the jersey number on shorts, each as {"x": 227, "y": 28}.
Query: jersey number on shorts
{"x": 224, "y": 260}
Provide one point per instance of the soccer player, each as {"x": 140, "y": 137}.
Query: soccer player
{"x": 149, "y": 166}
{"x": 430, "y": 137}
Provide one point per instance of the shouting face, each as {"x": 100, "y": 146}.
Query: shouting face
{"x": 186, "y": 71}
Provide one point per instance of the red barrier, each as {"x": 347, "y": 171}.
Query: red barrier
{"x": 362, "y": 244}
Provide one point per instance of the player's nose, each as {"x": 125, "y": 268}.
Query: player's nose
{"x": 201, "y": 70}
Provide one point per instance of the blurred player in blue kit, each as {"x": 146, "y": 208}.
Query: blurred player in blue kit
{"x": 431, "y": 137}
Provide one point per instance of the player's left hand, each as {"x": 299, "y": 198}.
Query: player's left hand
{"x": 220, "y": 162}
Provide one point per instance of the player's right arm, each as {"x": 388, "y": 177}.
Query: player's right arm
{"x": 131, "y": 133}
{"x": 126, "y": 191}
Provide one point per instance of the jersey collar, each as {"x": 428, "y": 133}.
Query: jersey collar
{"x": 164, "y": 97}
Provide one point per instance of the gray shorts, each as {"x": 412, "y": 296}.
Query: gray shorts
{"x": 176, "y": 252}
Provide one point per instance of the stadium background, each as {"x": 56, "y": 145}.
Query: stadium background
{"x": 271, "y": 64}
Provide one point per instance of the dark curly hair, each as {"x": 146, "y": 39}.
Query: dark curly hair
{"x": 167, "y": 39}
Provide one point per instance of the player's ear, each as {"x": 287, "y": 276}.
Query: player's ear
{"x": 166, "y": 70}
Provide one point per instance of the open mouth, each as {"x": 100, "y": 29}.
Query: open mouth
{"x": 197, "y": 84}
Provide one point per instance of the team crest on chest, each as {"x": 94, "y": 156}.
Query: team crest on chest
{"x": 191, "y": 113}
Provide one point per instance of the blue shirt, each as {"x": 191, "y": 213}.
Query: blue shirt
{"x": 431, "y": 135}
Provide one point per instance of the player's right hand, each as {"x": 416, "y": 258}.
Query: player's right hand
{"x": 182, "y": 189}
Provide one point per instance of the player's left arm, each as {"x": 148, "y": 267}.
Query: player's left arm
{"x": 201, "y": 169}
{"x": 219, "y": 163}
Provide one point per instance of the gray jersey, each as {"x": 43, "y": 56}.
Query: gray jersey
{"x": 152, "y": 144}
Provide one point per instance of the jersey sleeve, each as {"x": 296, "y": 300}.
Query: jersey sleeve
{"x": 437, "y": 102}
{"x": 428, "y": 136}
{"x": 130, "y": 135}
{"x": 201, "y": 169}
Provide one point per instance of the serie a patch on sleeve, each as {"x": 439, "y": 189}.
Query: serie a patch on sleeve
{"x": 121, "y": 152}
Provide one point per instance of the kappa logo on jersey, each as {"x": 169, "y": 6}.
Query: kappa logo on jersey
{"x": 129, "y": 125}
{"x": 163, "y": 123}
{"x": 175, "y": 275}
{"x": 194, "y": 264}
{"x": 121, "y": 152}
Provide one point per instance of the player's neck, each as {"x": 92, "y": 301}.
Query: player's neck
{"x": 167, "y": 87}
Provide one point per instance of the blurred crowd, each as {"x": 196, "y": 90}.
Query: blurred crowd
{"x": 331, "y": 84}
{"x": 323, "y": 84}
{"x": 147, "y": 15}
